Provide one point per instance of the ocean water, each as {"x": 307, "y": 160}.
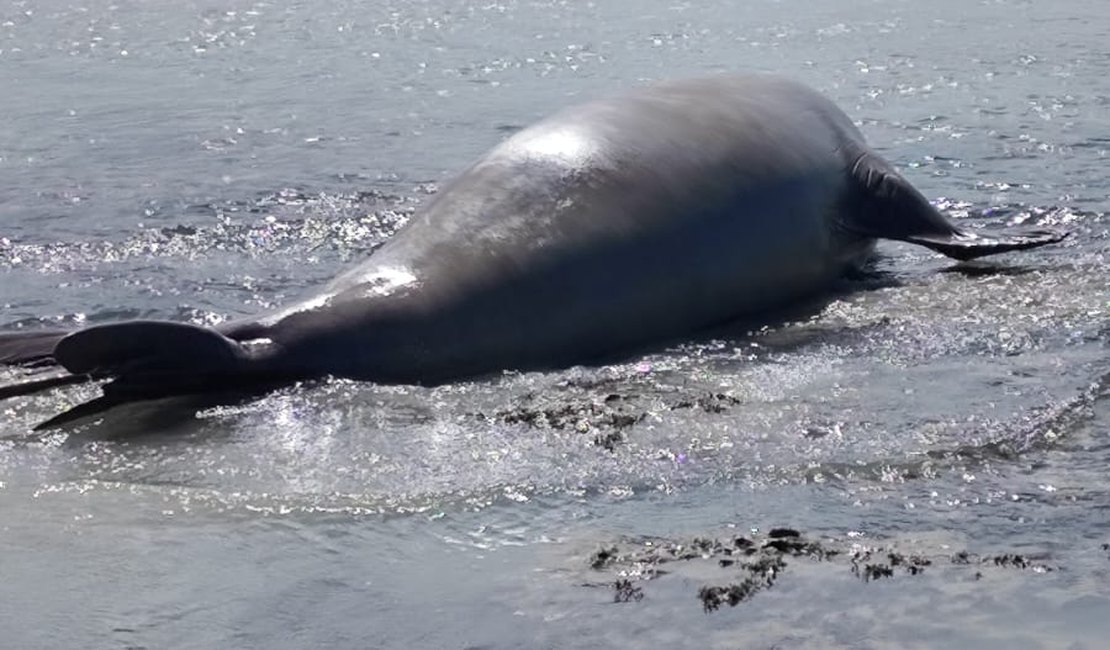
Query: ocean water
{"x": 203, "y": 160}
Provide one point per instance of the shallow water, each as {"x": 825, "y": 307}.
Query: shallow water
{"x": 203, "y": 160}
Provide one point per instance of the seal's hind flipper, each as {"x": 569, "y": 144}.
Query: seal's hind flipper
{"x": 144, "y": 360}
{"x": 145, "y": 347}
{"x": 39, "y": 385}
{"x": 29, "y": 348}
{"x": 884, "y": 205}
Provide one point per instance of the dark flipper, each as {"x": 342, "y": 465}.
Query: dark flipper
{"x": 82, "y": 410}
{"x": 144, "y": 359}
{"x": 146, "y": 347}
{"x": 886, "y": 206}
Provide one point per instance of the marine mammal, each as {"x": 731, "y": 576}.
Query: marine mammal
{"x": 613, "y": 224}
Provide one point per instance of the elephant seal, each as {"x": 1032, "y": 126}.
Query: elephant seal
{"x": 617, "y": 223}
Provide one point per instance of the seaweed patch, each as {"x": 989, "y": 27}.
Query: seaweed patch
{"x": 750, "y": 565}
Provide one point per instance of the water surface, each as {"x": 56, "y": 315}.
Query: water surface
{"x": 200, "y": 161}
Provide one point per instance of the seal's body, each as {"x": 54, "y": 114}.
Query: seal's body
{"x": 618, "y": 223}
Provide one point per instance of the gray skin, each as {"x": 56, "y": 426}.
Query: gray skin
{"x": 614, "y": 224}
{"x": 610, "y": 225}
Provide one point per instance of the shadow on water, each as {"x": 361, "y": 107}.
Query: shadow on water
{"x": 793, "y": 326}
{"x": 981, "y": 269}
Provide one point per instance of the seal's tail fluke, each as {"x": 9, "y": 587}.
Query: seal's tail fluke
{"x": 963, "y": 245}
{"x": 142, "y": 359}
